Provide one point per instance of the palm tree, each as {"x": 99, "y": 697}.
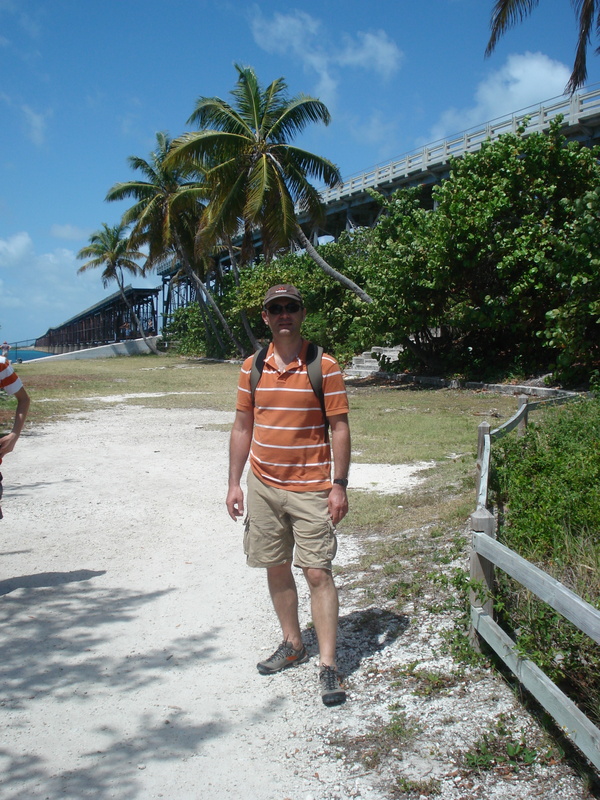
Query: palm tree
{"x": 254, "y": 176}
{"x": 112, "y": 249}
{"x": 169, "y": 205}
{"x": 507, "y": 13}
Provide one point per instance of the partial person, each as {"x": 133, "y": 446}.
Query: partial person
{"x": 11, "y": 383}
{"x": 293, "y": 502}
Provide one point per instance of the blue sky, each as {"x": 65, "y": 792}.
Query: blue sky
{"x": 84, "y": 85}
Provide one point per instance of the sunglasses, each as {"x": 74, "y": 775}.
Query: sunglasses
{"x": 277, "y": 308}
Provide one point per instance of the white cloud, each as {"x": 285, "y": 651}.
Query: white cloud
{"x": 40, "y": 290}
{"x": 374, "y": 51}
{"x": 524, "y": 80}
{"x": 15, "y": 251}
{"x": 69, "y": 232}
{"x": 379, "y": 129}
{"x": 302, "y": 36}
{"x": 36, "y": 125}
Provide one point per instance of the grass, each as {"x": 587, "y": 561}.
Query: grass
{"x": 58, "y": 388}
{"x": 390, "y": 424}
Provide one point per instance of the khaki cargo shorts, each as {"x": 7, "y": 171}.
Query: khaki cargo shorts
{"x": 283, "y": 526}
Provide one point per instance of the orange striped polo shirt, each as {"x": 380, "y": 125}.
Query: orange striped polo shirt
{"x": 9, "y": 380}
{"x": 289, "y": 448}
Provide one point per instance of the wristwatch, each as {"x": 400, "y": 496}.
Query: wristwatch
{"x": 341, "y": 482}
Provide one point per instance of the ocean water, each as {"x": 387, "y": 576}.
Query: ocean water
{"x": 26, "y": 355}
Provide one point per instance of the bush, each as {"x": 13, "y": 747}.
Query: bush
{"x": 547, "y": 484}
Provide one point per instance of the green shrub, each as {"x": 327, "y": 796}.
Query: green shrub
{"x": 547, "y": 486}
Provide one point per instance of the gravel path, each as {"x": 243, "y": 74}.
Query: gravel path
{"x": 131, "y": 628}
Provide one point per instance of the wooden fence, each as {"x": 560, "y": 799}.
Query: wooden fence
{"x": 486, "y": 554}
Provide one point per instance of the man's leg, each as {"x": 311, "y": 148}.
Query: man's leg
{"x": 284, "y": 596}
{"x": 324, "y": 608}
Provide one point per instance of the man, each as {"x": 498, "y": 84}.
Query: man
{"x": 293, "y": 505}
{"x": 11, "y": 383}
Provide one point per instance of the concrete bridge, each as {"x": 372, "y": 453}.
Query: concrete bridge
{"x": 348, "y": 205}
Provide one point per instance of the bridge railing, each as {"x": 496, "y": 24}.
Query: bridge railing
{"x": 575, "y": 109}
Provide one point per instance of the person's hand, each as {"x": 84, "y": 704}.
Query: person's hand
{"x": 235, "y": 502}
{"x": 7, "y": 444}
{"x": 338, "y": 503}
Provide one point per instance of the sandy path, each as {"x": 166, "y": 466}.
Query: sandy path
{"x": 131, "y": 626}
{"x": 130, "y": 623}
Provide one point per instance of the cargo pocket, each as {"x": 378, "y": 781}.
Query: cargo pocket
{"x": 246, "y": 534}
{"x": 331, "y": 542}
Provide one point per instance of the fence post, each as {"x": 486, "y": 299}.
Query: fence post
{"x": 523, "y": 400}
{"x": 481, "y": 570}
{"x": 482, "y": 430}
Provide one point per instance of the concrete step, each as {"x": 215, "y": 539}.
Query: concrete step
{"x": 364, "y": 365}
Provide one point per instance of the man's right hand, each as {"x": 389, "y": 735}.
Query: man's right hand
{"x": 235, "y": 502}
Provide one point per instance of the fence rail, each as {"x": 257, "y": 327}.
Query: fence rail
{"x": 486, "y": 554}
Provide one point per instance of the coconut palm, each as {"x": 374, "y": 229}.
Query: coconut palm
{"x": 111, "y": 248}
{"x": 507, "y": 13}
{"x": 169, "y": 205}
{"x": 256, "y": 178}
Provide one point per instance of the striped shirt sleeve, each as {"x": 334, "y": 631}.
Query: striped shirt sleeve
{"x": 9, "y": 380}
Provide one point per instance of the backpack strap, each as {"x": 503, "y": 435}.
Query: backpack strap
{"x": 314, "y": 354}
{"x": 258, "y": 363}
{"x": 314, "y": 368}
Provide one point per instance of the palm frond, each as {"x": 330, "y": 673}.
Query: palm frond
{"x": 258, "y": 184}
{"x": 317, "y": 167}
{"x": 297, "y": 114}
{"x": 586, "y": 11}
{"x": 506, "y": 14}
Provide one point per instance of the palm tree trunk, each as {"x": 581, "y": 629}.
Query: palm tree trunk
{"x": 195, "y": 278}
{"x": 329, "y": 270}
{"x": 210, "y": 323}
{"x": 244, "y": 317}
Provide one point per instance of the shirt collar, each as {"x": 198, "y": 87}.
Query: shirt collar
{"x": 298, "y": 361}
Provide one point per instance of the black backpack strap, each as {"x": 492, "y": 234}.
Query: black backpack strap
{"x": 314, "y": 354}
{"x": 258, "y": 363}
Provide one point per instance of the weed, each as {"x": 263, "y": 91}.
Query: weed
{"x": 425, "y": 682}
{"x": 500, "y": 747}
{"x": 425, "y": 788}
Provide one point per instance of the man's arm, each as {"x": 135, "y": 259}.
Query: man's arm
{"x": 239, "y": 447}
{"x": 340, "y": 445}
{"x": 8, "y": 442}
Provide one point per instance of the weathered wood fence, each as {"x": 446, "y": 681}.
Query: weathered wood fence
{"x": 486, "y": 554}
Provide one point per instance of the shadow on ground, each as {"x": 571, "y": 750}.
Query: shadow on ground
{"x": 360, "y": 635}
{"x": 41, "y": 579}
{"x": 65, "y": 644}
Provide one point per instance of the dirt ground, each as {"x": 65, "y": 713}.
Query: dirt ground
{"x": 131, "y": 628}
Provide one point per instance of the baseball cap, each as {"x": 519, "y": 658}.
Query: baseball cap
{"x": 283, "y": 290}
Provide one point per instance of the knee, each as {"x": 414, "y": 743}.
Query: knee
{"x": 318, "y": 578}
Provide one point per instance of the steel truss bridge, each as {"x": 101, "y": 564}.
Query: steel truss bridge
{"x": 105, "y": 322}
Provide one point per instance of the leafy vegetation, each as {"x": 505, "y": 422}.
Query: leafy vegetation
{"x": 547, "y": 485}
{"x": 499, "y": 279}
{"x": 500, "y": 747}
